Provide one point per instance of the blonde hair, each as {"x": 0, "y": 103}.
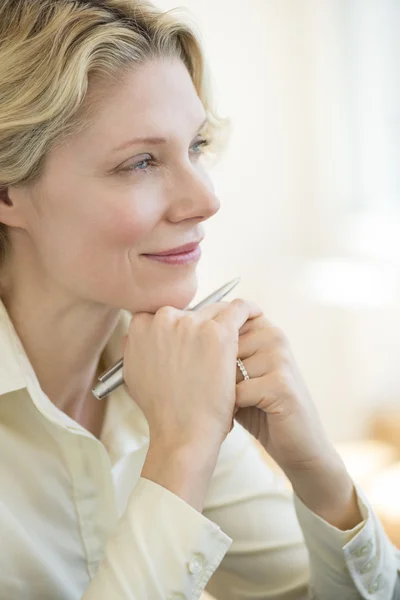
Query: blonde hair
{"x": 51, "y": 50}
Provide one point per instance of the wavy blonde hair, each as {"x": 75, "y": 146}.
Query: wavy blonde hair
{"x": 49, "y": 53}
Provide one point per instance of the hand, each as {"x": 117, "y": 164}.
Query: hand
{"x": 180, "y": 367}
{"x": 274, "y": 405}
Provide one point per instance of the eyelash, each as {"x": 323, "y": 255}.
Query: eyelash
{"x": 134, "y": 167}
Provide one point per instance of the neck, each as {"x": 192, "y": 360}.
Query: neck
{"x": 64, "y": 340}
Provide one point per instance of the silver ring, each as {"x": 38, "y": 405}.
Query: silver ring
{"x": 242, "y": 368}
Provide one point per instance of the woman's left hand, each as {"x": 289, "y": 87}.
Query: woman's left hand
{"x": 274, "y": 405}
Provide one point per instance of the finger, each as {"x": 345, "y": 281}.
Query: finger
{"x": 263, "y": 392}
{"x": 261, "y": 322}
{"x": 257, "y": 365}
{"x": 210, "y": 311}
{"x": 238, "y": 312}
{"x": 223, "y": 311}
{"x": 253, "y": 324}
{"x": 257, "y": 340}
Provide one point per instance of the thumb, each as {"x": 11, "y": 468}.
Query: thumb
{"x": 124, "y": 342}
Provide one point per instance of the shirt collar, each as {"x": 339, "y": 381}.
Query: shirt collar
{"x": 13, "y": 375}
{"x": 16, "y": 371}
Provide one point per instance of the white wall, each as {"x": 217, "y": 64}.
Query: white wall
{"x": 278, "y": 77}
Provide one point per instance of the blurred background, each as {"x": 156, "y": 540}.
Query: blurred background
{"x": 310, "y": 202}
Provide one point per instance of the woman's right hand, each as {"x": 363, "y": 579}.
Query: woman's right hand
{"x": 180, "y": 368}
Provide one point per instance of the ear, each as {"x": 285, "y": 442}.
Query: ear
{"x": 10, "y": 213}
{"x": 4, "y": 198}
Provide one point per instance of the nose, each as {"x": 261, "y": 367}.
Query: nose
{"x": 192, "y": 195}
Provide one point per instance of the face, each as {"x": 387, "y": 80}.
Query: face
{"x": 106, "y": 198}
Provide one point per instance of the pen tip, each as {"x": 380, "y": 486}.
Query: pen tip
{"x": 233, "y": 282}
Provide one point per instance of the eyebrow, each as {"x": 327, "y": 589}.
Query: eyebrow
{"x": 155, "y": 141}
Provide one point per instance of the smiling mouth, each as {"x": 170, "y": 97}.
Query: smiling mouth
{"x": 184, "y": 249}
{"x": 182, "y": 258}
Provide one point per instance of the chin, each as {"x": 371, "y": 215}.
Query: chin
{"x": 177, "y": 294}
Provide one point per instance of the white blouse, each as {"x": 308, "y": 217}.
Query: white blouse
{"x": 77, "y": 520}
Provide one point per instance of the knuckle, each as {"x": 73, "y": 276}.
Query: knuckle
{"x": 279, "y": 336}
{"x": 138, "y": 319}
{"x": 219, "y": 332}
{"x": 210, "y": 328}
{"x": 166, "y": 313}
{"x": 248, "y": 304}
{"x": 186, "y": 323}
{"x": 239, "y": 302}
{"x": 187, "y": 319}
{"x": 220, "y": 304}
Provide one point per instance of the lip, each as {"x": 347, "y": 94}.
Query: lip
{"x": 185, "y": 258}
{"x": 179, "y": 250}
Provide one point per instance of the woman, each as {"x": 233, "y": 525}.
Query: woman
{"x": 151, "y": 494}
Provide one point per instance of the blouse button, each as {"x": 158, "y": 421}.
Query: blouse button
{"x": 364, "y": 549}
{"x": 376, "y": 585}
{"x": 196, "y": 564}
{"x": 366, "y": 568}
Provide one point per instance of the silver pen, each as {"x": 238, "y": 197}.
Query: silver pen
{"x": 113, "y": 377}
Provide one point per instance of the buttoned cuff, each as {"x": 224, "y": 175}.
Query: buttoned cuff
{"x": 184, "y": 547}
{"x": 161, "y": 549}
{"x": 364, "y": 552}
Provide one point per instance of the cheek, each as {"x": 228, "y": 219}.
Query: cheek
{"x": 87, "y": 233}
{"x": 126, "y": 226}
{"x": 129, "y": 219}
{"x": 117, "y": 220}
{"x": 119, "y": 230}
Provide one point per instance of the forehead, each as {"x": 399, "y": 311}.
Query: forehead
{"x": 156, "y": 98}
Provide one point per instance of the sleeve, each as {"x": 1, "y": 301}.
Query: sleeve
{"x": 162, "y": 549}
{"x": 281, "y": 550}
{"x": 360, "y": 563}
{"x": 252, "y": 504}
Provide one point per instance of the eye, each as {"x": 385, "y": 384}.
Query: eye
{"x": 199, "y": 146}
{"x": 142, "y": 165}
{"x": 147, "y": 161}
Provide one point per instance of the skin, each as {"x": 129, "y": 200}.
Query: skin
{"x": 79, "y": 235}
{"x": 275, "y": 406}
{"x": 80, "y": 232}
